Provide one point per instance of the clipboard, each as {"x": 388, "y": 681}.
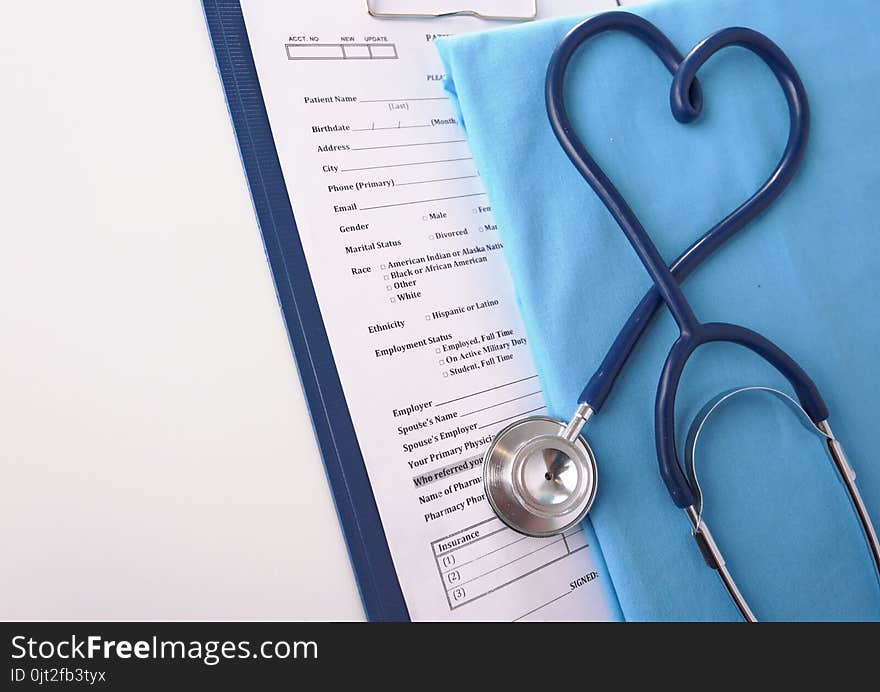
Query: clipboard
{"x": 344, "y": 463}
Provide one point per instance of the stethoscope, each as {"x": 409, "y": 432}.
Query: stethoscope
{"x": 539, "y": 473}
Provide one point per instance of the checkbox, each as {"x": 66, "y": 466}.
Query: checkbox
{"x": 427, "y": 318}
{"x": 394, "y": 300}
{"x": 445, "y": 374}
{"x": 388, "y": 288}
{"x": 436, "y": 350}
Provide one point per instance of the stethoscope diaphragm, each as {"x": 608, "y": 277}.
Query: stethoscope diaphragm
{"x": 538, "y": 481}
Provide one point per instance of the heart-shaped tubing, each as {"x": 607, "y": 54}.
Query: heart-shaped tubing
{"x": 686, "y": 103}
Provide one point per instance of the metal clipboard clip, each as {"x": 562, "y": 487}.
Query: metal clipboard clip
{"x": 453, "y": 13}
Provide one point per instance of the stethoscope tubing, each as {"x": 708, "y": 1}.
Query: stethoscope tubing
{"x": 685, "y": 110}
{"x": 686, "y": 104}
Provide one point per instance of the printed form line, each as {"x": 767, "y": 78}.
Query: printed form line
{"x": 482, "y": 538}
{"x": 535, "y": 610}
{"x": 411, "y": 144}
{"x": 506, "y": 584}
{"x": 421, "y": 201}
{"x": 500, "y": 403}
{"x": 388, "y": 127}
{"x": 515, "y": 415}
{"x": 483, "y": 391}
{"x": 398, "y": 165}
{"x": 459, "y": 565}
{"x": 507, "y": 564}
{"x": 438, "y": 180}
{"x": 418, "y": 98}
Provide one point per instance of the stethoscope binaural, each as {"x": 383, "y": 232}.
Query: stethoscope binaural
{"x": 539, "y": 473}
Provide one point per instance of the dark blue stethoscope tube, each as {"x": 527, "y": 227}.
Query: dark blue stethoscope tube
{"x": 686, "y": 103}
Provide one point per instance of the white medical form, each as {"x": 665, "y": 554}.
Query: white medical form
{"x": 419, "y": 308}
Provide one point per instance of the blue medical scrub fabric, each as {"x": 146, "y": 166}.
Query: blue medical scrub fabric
{"x": 805, "y": 274}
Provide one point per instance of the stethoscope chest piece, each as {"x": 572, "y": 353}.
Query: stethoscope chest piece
{"x": 537, "y": 481}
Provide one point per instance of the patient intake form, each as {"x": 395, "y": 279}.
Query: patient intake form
{"x": 419, "y": 307}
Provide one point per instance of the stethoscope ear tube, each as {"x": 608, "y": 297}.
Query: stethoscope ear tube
{"x": 712, "y": 407}
{"x": 700, "y": 531}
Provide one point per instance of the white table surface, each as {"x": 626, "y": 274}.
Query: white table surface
{"x": 156, "y": 453}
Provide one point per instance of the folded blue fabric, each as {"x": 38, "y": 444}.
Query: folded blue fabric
{"x": 804, "y": 275}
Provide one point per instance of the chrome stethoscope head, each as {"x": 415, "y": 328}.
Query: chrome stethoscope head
{"x": 539, "y": 474}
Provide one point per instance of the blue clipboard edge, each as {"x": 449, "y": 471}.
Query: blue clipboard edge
{"x": 343, "y": 461}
